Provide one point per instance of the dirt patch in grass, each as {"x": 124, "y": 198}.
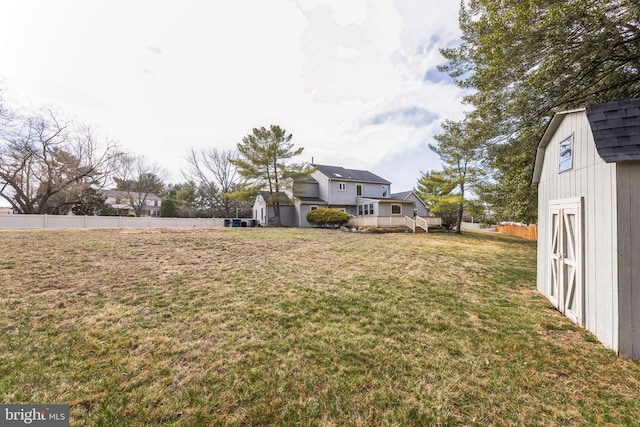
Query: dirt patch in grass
{"x": 296, "y": 327}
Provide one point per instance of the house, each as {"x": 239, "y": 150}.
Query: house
{"x": 420, "y": 206}
{"x": 121, "y": 202}
{"x": 587, "y": 170}
{"x": 6, "y": 210}
{"x": 264, "y": 213}
{"x": 366, "y": 197}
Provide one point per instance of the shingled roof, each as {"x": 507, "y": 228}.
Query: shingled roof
{"x": 342, "y": 174}
{"x": 616, "y": 129}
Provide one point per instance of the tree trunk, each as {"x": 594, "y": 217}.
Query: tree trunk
{"x": 276, "y": 211}
{"x": 459, "y": 222}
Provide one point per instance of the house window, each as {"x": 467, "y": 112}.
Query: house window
{"x": 566, "y": 154}
{"x": 358, "y": 189}
{"x": 396, "y": 209}
{"x": 359, "y": 210}
{"x": 342, "y": 186}
{"x": 366, "y": 209}
{"x": 385, "y": 191}
{"x": 371, "y": 208}
{"x": 313, "y": 208}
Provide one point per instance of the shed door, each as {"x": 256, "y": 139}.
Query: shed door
{"x": 566, "y": 258}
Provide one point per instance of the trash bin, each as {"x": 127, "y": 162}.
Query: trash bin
{"x": 227, "y": 222}
{"x": 236, "y": 222}
{"x": 243, "y": 224}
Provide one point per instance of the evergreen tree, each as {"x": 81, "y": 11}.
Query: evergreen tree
{"x": 264, "y": 162}
{"x": 525, "y": 60}
{"x": 460, "y": 154}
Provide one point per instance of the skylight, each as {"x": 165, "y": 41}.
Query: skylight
{"x": 337, "y": 174}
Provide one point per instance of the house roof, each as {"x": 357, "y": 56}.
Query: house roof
{"x": 385, "y": 200}
{"x": 342, "y": 174}
{"x": 311, "y": 200}
{"x": 308, "y": 179}
{"x": 616, "y": 129}
{"x": 285, "y": 199}
{"x": 404, "y": 195}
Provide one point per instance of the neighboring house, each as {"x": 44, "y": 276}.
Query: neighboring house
{"x": 587, "y": 170}
{"x": 6, "y": 210}
{"x": 366, "y": 197}
{"x": 120, "y": 201}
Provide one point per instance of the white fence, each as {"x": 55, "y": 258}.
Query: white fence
{"x": 390, "y": 221}
{"x": 476, "y": 226}
{"x": 67, "y": 221}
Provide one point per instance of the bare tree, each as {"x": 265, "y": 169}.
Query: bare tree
{"x": 6, "y": 115}
{"x": 216, "y": 176}
{"x": 46, "y": 163}
{"x": 138, "y": 179}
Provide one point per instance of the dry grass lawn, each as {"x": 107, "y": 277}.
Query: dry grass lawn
{"x": 296, "y": 327}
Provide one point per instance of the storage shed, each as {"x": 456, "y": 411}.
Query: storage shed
{"x": 587, "y": 169}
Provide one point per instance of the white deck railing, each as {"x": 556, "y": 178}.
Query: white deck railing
{"x": 395, "y": 221}
{"x": 424, "y": 223}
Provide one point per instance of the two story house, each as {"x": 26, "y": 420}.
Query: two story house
{"x": 366, "y": 197}
{"x": 123, "y": 202}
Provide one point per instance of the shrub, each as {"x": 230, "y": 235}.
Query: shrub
{"x": 327, "y": 217}
{"x": 168, "y": 209}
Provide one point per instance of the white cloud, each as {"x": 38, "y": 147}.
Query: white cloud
{"x": 162, "y": 76}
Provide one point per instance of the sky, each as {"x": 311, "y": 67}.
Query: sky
{"x": 354, "y": 81}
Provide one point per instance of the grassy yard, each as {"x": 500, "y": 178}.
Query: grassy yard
{"x": 296, "y": 327}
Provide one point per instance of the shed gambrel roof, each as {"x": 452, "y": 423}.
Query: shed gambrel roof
{"x": 616, "y": 129}
{"x": 342, "y": 174}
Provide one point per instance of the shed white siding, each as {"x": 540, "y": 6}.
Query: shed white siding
{"x": 594, "y": 181}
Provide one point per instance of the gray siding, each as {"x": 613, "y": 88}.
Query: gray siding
{"x": 628, "y": 179}
{"x": 419, "y": 204}
{"x": 301, "y": 212}
{"x": 374, "y": 190}
{"x": 307, "y": 189}
{"x": 302, "y": 215}
{"x": 594, "y": 181}
{"x": 287, "y": 216}
{"x": 338, "y": 197}
{"x": 328, "y": 189}
{"x": 406, "y": 209}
